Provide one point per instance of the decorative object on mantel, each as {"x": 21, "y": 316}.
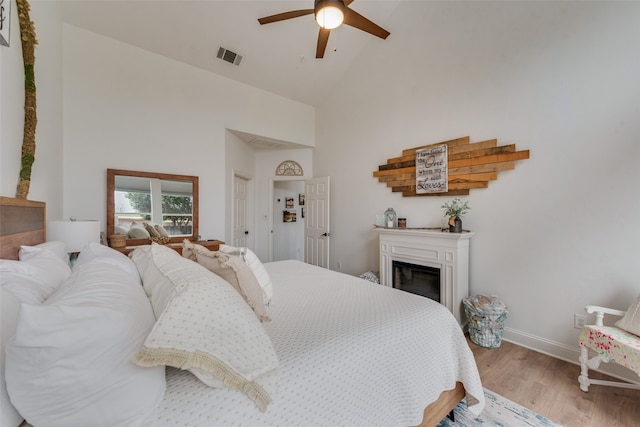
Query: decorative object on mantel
{"x": 454, "y": 209}
{"x": 468, "y": 165}
{"x": 28, "y": 37}
{"x": 289, "y": 168}
{"x": 390, "y": 218}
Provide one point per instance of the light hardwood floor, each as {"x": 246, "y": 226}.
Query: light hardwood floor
{"x": 550, "y": 387}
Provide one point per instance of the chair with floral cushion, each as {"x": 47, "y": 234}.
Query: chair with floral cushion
{"x": 619, "y": 344}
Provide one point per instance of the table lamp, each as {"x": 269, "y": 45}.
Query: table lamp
{"x": 75, "y": 234}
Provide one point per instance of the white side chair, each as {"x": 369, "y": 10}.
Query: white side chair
{"x": 611, "y": 344}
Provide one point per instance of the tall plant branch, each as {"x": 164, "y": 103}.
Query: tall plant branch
{"x": 28, "y": 39}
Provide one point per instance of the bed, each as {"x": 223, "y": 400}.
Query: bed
{"x": 349, "y": 353}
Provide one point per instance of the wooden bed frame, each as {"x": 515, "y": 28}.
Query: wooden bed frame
{"x": 23, "y": 222}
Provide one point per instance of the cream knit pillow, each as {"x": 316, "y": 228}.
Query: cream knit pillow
{"x": 205, "y": 327}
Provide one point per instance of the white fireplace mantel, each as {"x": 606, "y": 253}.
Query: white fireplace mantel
{"x": 448, "y": 252}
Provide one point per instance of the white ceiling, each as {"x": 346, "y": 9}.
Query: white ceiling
{"x": 277, "y": 57}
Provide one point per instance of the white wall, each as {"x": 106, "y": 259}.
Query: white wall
{"x": 127, "y": 108}
{"x": 558, "y": 78}
{"x": 46, "y": 175}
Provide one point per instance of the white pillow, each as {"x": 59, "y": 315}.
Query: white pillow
{"x": 24, "y": 287}
{"x": 34, "y": 278}
{"x": 208, "y": 329}
{"x": 94, "y": 251}
{"x": 9, "y": 416}
{"x": 158, "y": 288}
{"x": 256, "y": 266}
{"x": 118, "y": 229}
{"x": 631, "y": 320}
{"x": 69, "y": 363}
{"x": 54, "y": 246}
{"x": 137, "y": 231}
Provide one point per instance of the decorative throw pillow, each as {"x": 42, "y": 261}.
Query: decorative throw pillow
{"x": 232, "y": 269}
{"x": 137, "y": 231}
{"x": 631, "y": 320}
{"x": 252, "y": 260}
{"x": 69, "y": 363}
{"x": 206, "y": 328}
{"x": 150, "y": 229}
{"x": 161, "y": 231}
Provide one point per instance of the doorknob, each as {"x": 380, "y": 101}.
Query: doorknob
{"x": 326, "y": 234}
{"x": 246, "y": 232}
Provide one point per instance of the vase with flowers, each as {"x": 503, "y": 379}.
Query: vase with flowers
{"x": 454, "y": 209}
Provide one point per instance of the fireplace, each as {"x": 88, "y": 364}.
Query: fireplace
{"x": 417, "y": 279}
{"x": 427, "y": 251}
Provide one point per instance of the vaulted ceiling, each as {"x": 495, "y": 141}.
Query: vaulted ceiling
{"x": 278, "y": 57}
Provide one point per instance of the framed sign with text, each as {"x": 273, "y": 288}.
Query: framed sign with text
{"x": 431, "y": 170}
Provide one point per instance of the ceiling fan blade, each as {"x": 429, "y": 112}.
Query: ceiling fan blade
{"x": 284, "y": 16}
{"x": 354, "y": 19}
{"x": 323, "y": 38}
{"x": 347, "y": 2}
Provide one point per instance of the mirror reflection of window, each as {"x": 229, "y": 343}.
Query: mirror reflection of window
{"x": 163, "y": 202}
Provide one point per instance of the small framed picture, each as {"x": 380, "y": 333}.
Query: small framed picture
{"x": 288, "y": 202}
{"x": 301, "y": 199}
{"x": 302, "y": 213}
{"x": 5, "y": 21}
{"x": 289, "y": 216}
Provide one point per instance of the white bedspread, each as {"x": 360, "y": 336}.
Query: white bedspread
{"x": 352, "y": 353}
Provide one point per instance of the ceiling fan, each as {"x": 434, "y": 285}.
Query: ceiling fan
{"x": 330, "y": 14}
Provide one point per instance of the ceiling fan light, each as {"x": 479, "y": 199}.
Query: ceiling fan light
{"x": 329, "y": 14}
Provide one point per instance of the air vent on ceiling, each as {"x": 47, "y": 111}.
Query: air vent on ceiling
{"x": 230, "y": 57}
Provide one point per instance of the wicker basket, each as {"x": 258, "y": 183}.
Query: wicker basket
{"x": 486, "y": 315}
{"x": 118, "y": 240}
{"x": 486, "y": 330}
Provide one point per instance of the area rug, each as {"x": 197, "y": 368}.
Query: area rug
{"x": 498, "y": 411}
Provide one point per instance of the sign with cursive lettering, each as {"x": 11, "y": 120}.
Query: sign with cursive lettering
{"x": 5, "y": 19}
{"x": 431, "y": 170}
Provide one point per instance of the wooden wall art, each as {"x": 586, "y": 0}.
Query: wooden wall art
{"x": 469, "y": 166}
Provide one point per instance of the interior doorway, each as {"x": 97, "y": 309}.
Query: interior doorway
{"x": 242, "y": 212}
{"x": 288, "y": 220}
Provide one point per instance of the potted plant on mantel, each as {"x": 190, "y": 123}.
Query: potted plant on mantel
{"x": 454, "y": 209}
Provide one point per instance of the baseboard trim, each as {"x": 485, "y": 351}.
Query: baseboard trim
{"x": 564, "y": 352}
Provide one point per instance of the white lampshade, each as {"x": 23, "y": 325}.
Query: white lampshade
{"x": 74, "y": 234}
{"x": 329, "y": 16}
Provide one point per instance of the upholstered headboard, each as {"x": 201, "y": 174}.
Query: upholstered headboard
{"x": 22, "y": 222}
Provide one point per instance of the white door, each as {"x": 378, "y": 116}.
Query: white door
{"x": 316, "y": 230}
{"x": 239, "y": 226}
